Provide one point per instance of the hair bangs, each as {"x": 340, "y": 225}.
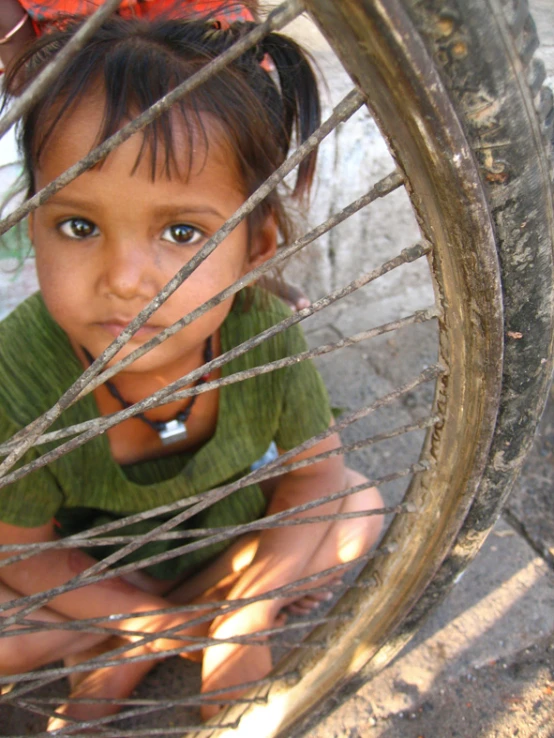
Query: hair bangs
{"x": 130, "y": 65}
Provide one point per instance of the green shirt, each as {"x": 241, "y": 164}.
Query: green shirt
{"x": 87, "y": 487}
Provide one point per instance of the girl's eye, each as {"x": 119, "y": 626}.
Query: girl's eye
{"x": 181, "y": 233}
{"x": 78, "y": 228}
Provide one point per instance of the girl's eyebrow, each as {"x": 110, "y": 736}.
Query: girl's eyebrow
{"x": 164, "y": 210}
{"x": 175, "y": 210}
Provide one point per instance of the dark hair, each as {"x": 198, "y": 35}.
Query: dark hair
{"x": 135, "y": 63}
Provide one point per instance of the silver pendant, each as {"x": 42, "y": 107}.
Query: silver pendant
{"x": 172, "y": 432}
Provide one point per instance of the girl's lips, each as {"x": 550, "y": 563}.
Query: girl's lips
{"x": 115, "y": 329}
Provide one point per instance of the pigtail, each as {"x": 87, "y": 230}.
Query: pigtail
{"x": 301, "y": 106}
{"x": 299, "y": 109}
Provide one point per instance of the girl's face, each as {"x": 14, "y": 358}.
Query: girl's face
{"x": 112, "y": 238}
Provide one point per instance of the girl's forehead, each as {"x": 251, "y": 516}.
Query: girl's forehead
{"x": 182, "y": 150}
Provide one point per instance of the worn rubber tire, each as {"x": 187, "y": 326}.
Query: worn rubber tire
{"x": 518, "y": 183}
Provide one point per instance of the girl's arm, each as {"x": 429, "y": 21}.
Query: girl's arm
{"x": 11, "y": 13}
{"x": 53, "y": 568}
{"x": 283, "y": 553}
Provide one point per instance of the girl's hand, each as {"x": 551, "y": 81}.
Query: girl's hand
{"x": 159, "y": 623}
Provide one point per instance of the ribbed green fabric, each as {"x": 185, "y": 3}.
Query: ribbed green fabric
{"x": 87, "y": 487}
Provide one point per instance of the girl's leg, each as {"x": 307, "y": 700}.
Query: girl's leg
{"x": 113, "y": 682}
{"x": 347, "y": 540}
{"x": 22, "y": 653}
{"x": 118, "y": 682}
{"x": 344, "y": 542}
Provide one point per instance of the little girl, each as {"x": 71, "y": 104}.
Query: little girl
{"x": 105, "y": 245}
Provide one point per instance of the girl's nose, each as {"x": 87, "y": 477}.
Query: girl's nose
{"x": 129, "y": 270}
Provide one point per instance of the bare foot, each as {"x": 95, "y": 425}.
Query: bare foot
{"x": 114, "y": 682}
{"x": 76, "y": 677}
{"x": 305, "y": 604}
{"x": 308, "y": 603}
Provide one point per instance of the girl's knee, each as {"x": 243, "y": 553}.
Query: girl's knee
{"x": 367, "y": 499}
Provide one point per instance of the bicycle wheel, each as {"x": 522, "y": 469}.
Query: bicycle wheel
{"x": 459, "y": 98}
{"x": 460, "y": 101}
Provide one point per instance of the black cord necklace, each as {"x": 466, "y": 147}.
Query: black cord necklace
{"x": 169, "y": 431}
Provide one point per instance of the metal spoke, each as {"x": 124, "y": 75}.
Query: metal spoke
{"x": 207, "y": 499}
{"x": 100, "y": 425}
{"x": 303, "y": 585}
{"x": 32, "y": 602}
